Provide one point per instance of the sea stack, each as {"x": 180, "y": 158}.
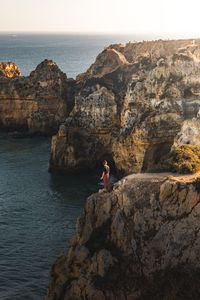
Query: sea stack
{"x": 36, "y": 104}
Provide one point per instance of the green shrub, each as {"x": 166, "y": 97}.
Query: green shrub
{"x": 185, "y": 159}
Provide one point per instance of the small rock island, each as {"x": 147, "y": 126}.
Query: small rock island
{"x": 36, "y": 104}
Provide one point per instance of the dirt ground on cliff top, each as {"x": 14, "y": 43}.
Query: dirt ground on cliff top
{"x": 163, "y": 176}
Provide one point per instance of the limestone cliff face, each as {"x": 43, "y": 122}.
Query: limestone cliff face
{"x": 189, "y": 134}
{"x": 139, "y": 241}
{"x": 37, "y": 103}
{"x": 9, "y": 69}
{"x": 108, "y": 61}
{"x": 130, "y": 106}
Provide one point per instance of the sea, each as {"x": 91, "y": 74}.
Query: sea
{"x": 73, "y": 53}
{"x": 38, "y": 210}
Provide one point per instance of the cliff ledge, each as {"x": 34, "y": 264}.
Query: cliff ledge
{"x": 139, "y": 241}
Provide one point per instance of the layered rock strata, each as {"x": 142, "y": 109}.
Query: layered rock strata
{"x": 139, "y": 241}
{"x": 37, "y": 103}
{"x": 130, "y": 106}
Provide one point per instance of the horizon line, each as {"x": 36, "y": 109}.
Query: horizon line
{"x": 133, "y": 37}
{"x": 73, "y": 32}
{"x": 93, "y": 32}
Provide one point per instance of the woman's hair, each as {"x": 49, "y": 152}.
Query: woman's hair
{"x": 105, "y": 162}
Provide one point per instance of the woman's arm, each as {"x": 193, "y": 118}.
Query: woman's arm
{"x": 102, "y": 175}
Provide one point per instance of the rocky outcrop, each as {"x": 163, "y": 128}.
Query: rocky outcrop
{"x": 189, "y": 133}
{"x": 130, "y": 106}
{"x": 107, "y": 61}
{"x": 37, "y": 103}
{"x": 9, "y": 69}
{"x": 139, "y": 241}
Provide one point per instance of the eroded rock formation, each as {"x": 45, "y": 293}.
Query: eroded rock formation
{"x": 9, "y": 69}
{"x": 130, "y": 106}
{"x": 37, "y": 103}
{"x": 189, "y": 134}
{"x": 139, "y": 241}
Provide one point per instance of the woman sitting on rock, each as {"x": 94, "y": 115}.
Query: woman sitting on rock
{"x": 106, "y": 174}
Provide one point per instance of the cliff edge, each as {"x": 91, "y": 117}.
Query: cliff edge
{"x": 139, "y": 241}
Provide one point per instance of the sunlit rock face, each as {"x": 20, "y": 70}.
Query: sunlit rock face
{"x": 139, "y": 242}
{"x": 130, "y": 106}
{"x": 34, "y": 104}
{"x": 106, "y": 62}
{"x": 189, "y": 133}
{"x": 9, "y": 69}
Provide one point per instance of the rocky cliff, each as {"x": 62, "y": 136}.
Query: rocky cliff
{"x": 37, "y": 103}
{"x": 131, "y": 106}
{"x": 139, "y": 241}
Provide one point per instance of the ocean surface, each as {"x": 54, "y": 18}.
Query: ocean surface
{"x": 73, "y": 53}
{"x": 38, "y": 210}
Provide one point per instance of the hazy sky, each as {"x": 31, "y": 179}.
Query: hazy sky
{"x": 169, "y": 17}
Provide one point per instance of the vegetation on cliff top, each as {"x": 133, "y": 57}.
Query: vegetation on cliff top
{"x": 185, "y": 159}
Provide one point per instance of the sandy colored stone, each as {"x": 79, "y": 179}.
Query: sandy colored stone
{"x": 129, "y": 255}
{"x": 131, "y": 106}
{"x": 36, "y": 104}
{"x": 9, "y": 70}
